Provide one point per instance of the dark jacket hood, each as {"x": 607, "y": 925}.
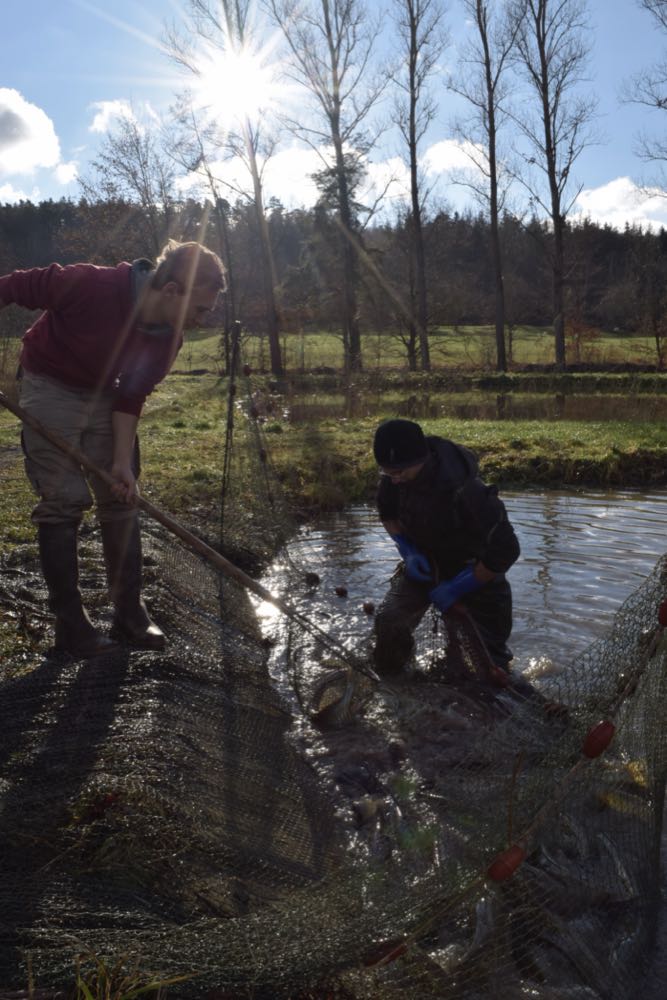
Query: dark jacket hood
{"x": 451, "y": 464}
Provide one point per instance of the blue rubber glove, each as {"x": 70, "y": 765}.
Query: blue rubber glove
{"x": 449, "y": 591}
{"x": 417, "y": 566}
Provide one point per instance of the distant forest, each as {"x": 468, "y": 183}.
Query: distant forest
{"x": 614, "y": 280}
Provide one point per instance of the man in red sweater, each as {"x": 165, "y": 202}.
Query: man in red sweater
{"x": 106, "y": 337}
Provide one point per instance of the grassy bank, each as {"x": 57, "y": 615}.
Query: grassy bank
{"x": 331, "y": 465}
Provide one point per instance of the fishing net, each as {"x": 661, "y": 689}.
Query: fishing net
{"x": 250, "y": 811}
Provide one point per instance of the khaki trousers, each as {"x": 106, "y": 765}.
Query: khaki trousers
{"x": 83, "y": 419}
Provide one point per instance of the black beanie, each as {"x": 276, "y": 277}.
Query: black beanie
{"x": 399, "y": 443}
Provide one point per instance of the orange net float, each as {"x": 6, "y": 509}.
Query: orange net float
{"x": 598, "y": 738}
{"x": 506, "y": 863}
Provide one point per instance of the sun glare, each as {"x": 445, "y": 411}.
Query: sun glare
{"x": 236, "y": 85}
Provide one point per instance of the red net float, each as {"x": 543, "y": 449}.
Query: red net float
{"x": 499, "y": 676}
{"x": 505, "y": 864}
{"x": 598, "y": 738}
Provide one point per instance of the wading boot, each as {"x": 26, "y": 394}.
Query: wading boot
{"x": 75, "y": 633}
{"x": 121, "y": 541}
{"x": 392, "y": 652}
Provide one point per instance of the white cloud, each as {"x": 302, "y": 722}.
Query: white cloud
{"x": 10, "y": 195}
{"x": 231, "y": 176}
{"x": 106, "y": 112}
{"x": 288, "y": 177}
{"x": 28, "y": 140}
{"x": 387, "y": 179}
{"x": 621, "y": 201}
{"x": 65, "y": 173}
{"x": 449, "y": 155}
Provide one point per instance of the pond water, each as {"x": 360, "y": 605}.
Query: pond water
{"x": 478, "y": 405}
{"x": 583, "y": 554}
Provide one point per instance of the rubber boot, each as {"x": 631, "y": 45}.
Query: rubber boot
{"x": 121, "y": 541}
{"x": 392, "y": 652}
{"x": 75, "y": 633}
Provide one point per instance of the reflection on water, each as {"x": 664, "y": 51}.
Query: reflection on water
{"x": 582, "y": 554}
{"x": 477, "y": 406}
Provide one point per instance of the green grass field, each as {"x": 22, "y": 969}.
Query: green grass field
{"x": 464, "y": 348}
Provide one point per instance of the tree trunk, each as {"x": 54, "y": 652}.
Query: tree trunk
{"x": 419, "y": 257}
{"x": 268, "y": 280}
{"x": 494, "y": 209}
{"x": 496, "y": 253}
{"x": 230, "y": 296}
{"x": 351, "y": 332}
{"x": 559, "y": 297}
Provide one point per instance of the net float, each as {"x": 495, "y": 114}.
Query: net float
{"x": 598, "y": 738}
{"x": 506, "y": 863}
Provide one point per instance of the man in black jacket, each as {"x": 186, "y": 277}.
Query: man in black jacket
{"x": 454, "y": 536}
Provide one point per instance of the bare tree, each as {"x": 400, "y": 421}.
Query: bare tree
{"x": 483, "y": 83}
{"x": 132, "y": 166}
{"x": 225, "y": 27}
{"x": 658, "y": 8}
{"x": 423, "y": 40}
{"x": 552, "y": 54}
{"x": 649, "y": 88}
{"x": 330, "y": 44}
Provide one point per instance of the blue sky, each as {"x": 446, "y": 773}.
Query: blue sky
{"x": 67, "y": 68}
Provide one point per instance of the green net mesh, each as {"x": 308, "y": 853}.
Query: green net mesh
{"x": 183, "y": 814}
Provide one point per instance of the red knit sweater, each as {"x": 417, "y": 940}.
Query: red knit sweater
{"x": 88, "y": 336}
